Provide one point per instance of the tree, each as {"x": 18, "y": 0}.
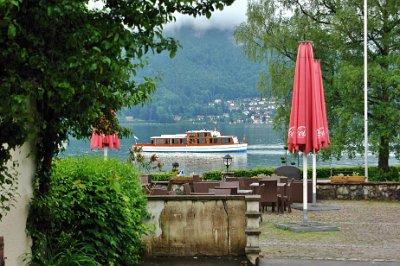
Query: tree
{"x": 271, "y": 34}
{"x": 66, "y": 68}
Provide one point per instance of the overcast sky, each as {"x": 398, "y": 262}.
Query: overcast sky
{"x": 226, "y": 19}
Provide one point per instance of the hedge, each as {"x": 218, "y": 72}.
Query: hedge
{"x": 94, "y": 214}
{"x": 374, "y": 174}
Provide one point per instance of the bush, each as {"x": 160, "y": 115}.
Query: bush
{"x": 212, "y": 175}
{"x": 216, "y": 175}
{"x": 162, "y": 176}
{"x": 324, "y": 172}
{"x": 95, "y": 209}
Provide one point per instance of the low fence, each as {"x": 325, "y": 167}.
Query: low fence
{"x": 206, "y": 225}
{"x": 388, "y": 191}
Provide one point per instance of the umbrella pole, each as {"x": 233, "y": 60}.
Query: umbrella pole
{"x": 314, "y": 177}
{"x": 105, "y": 153}
{"x": 305, "y": 217}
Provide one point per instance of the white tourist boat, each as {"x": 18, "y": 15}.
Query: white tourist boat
{"x": 194, "y": 141}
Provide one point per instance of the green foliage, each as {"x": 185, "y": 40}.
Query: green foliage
{"x": 162, "y": 176}
{"x": 254, "y": 172}
{"x": 216, "y": 175}
{"x": 136, "y": 156}
{"x": 65, "y": 68}
{"x": 94, "y": 209}
{"x": 375, "y": 174}
{"x": 212, "y": 175}
{"x": 336, "y": 28}
{"x": 8, "y": 188}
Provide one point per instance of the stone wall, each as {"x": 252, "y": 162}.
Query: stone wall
{"x": 388, "y": 191}
{"x": 206, "y": 225}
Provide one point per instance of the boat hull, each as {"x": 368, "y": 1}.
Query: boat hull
{"x": 242, "y": 147}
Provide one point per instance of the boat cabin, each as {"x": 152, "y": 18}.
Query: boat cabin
{"x": 196, "y": 138}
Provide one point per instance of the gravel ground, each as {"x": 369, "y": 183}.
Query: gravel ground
{"x": 368, "y": 231}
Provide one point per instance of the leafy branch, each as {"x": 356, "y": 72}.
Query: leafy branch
{"x": 140, "y": 160}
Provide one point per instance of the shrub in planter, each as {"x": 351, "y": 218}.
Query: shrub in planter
{"x": 95, "y": 207}
{"x": 212, "y": 175}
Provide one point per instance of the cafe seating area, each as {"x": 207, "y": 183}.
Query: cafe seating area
{"x": 277, "y": 193}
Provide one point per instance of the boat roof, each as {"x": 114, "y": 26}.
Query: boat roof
{"x": 170, "y": 136}
{"x": 215, "y": 133}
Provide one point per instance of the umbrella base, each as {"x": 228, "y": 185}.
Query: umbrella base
{"x": 314, "y": 207}
{"x": 309, "y": 227}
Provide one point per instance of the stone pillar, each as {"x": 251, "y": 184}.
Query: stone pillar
{"x": 253, "y": 216}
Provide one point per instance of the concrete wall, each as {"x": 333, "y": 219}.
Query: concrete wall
{"x": 197, "y": 225}
{"x": 12, "y": 227}
{"x": 389, "y": 191}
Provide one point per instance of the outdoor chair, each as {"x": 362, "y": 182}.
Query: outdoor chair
{"x": 220, "y": 191}
{"x": 229, "y": 184}
{"x": 159, "y": 191}
{"x": 297, "y": 191}
{"x": 229, "y": 179}
{"x": 289, "y": 171}
{"x": 283, "y": 179}
{"x": 204, "y": 186}
{"x": 186, "y": 189}
{"x": 196, "y": 178}
{"x": 244, "y": 182}
{"x": 232, "y": 185}
{"x": 146, "y": 184}
{"x": 284, "y": 200}
{"x": 269, "y": 194}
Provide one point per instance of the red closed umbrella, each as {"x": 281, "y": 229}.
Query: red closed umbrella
{"x": 101, "y": 141}
{"x": 308, "y": 127}
{"x": 104, "y": 141}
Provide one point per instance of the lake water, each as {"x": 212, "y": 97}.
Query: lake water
{"x": 265, "y": 147}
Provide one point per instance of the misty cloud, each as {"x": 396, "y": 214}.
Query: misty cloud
{"x": 227, "y": 19}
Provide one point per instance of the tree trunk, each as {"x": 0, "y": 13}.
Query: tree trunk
{"x": 46, "y": 148}
{"x": 383, "y": 162}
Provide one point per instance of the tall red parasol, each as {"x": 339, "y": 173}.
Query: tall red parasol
{"x": 308, "y": 127}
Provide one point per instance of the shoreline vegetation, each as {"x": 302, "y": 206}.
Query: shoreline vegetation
{"x": 375, "y": 174}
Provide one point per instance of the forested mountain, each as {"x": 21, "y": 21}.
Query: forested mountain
{"x": 209, "y": 66}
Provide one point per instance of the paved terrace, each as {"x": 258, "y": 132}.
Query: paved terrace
{"x": 369, "y": 231}
{"x": 369, "y": 235}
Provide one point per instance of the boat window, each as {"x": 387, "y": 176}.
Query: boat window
{"x": 191, "y": 141}
{"x": 227, "y": 140}
{"x": 217, "y": 140}
{"x": 159, "y": 141}
{"x": 167, "y": 141}
{"x": 201, "y": 141}
{"x": 207, "y": 134}
{"x": 192, "y": 134}
{"x": 175, "y": 141}
{"x": 152, "y": 142}
{"x": 201, "y": 134}
{"x": 183, "y": 141}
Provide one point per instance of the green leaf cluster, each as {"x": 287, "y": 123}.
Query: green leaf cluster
{"x": 95, "y": 208}
{"x": 65, "y": 68}
{"x": 375, "y": 174}
{"x": 271, "y": 35}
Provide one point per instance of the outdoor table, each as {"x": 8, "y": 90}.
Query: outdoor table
{"x": 281, "y": 188}
{"x": 244, "y": 191}
{"x": 254, "y": 187}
